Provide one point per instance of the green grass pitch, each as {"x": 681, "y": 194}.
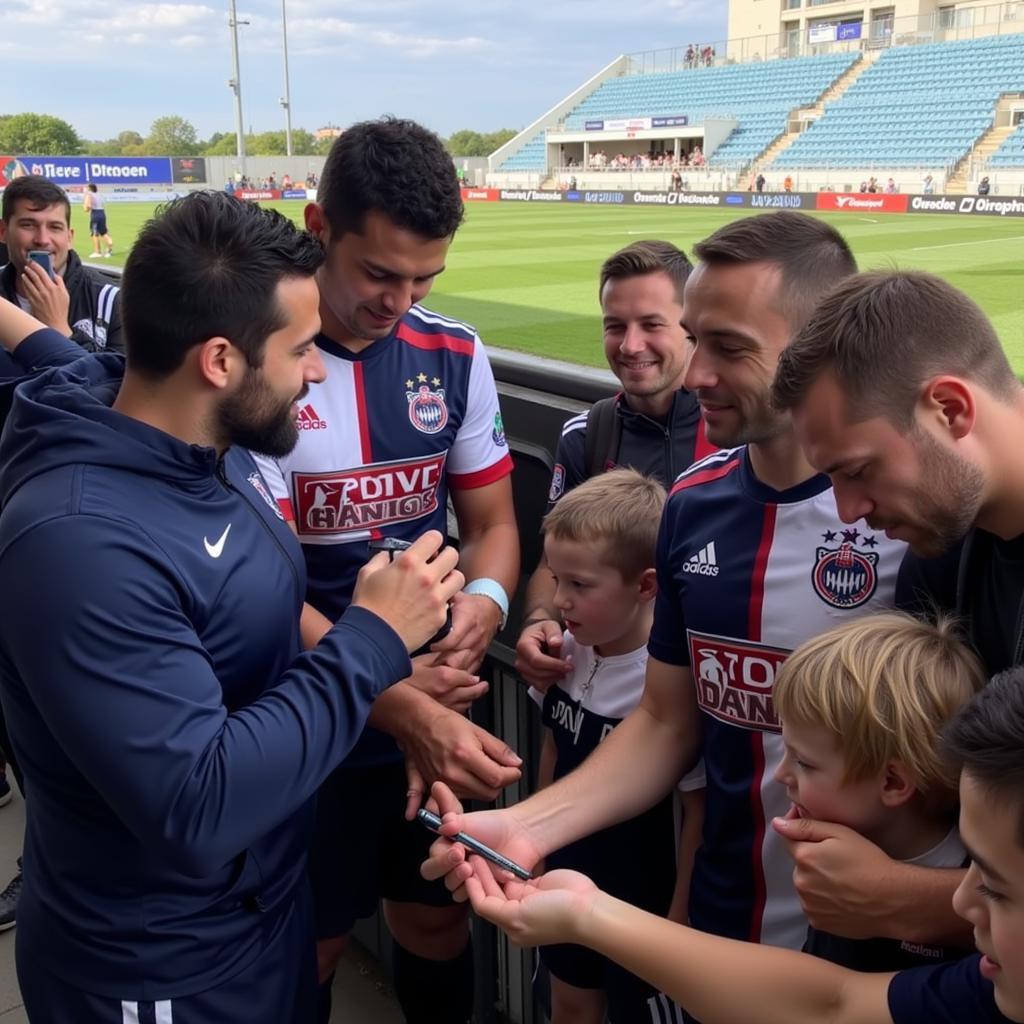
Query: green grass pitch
{"x": 526, "y": 275}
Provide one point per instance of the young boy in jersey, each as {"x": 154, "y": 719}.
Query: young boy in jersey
{"x": 599, "y": 543}
{"x": 722, "y": 981}
{"x": 862, "y": 708}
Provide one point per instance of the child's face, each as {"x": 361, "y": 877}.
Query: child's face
{"x": 991, "y": 896}
{"x": 598, "y": 606}
{"x": 812, "y": 772}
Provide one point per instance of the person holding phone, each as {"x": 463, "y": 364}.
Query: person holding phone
{"x": 35, "y": 225}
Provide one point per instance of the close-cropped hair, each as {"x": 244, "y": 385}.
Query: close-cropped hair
{"x": 206, "y": 266}
{"x": 986, "y": 741}
{"x": 812, "y": 256}
{"x": 885, "y": 686}
{"x": 882, "y": 335}
{"x": 619, "y": 510}
{"x": 37, "y": 193}
{"x": 650, "y": 256}
{"x": 397, "y": 167}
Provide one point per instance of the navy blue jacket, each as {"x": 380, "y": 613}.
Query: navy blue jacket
{"x": 41, "y": 349}
{"x": 170, "y": 732}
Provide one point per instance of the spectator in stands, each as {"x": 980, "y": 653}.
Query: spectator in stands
{"x": 890, "y": 187}
{"x": 286, "y": 181}
{"x": 872, "y": 185}
{"x": 787, "y": 183}
{"x": 572, "y": 183}
{"x": 760, "y": 181}
{"x": 863, "y": 187}
{"x": 690, "y": 55}
{"x": 697, "y": 157}
{"x": 677, "y": 181}
{"x": 229, "y": 187}
{"x": 984, "y": 187}
{"x": 35, "y": 215}
{"x": 928, "y": 188}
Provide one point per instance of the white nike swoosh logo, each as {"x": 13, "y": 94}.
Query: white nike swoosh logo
{"x": 214, "y": 550}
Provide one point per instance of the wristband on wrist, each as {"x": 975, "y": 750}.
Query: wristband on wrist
{"x": 544, "y": 617}
{"x": 492, "y": 589}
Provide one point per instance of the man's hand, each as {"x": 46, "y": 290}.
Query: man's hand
{"x": 500, "y": 830}
{"x": 453, "y": 688}
{"x": 468, "y": 759}
{"x": 475, "y": 620}
{"x": 840, "y": 877}
{"x": 48, "y": 297}
{"x": 537, "y": 654}
{"x": 411, "y": 594}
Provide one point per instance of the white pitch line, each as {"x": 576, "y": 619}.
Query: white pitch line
{"x": 869, "y": 220}
{"x": 980, "y": 241}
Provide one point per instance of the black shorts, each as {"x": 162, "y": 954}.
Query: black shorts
{"x": 636, "y": 862}
{"x": 98, "y": 222}
{"x": 364, "y": 850}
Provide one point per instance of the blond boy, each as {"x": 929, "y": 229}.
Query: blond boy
{"x": 862, "y": 708}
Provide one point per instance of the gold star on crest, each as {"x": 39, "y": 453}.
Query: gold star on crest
{"x": 422, "y": 378}
{"x": 436, "y": 381}
{"x": 408, "y": 384}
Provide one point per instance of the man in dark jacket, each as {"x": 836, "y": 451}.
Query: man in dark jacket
{"x": 170, "y": 732}
{"x": 36, "y": 217}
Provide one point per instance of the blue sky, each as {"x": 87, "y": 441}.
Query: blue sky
{"x": 110, "y": 66}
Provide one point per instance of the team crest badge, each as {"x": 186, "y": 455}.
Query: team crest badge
{"x": 428, "y": 412}
{"x": 498, "y": 433}
{"x": 844, "y": 576}
{"x": 557, "y": 482}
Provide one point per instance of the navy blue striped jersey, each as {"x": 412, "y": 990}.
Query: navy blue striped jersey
{"x": 746, "y": 574}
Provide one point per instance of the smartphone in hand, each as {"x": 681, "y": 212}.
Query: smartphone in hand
{"x": 44, "y": 259}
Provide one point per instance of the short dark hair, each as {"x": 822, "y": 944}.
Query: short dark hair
{"x": 812, "y": 255}
{"x": 207, "y": 265}
{"x": 986, "y": 740}
{"x": 651, "y": 256}
{"x": 91, "y": 187}
{"x": 397, "y": 167}
{"x": 883, "y": 334}
{"x": 37, "y": 192}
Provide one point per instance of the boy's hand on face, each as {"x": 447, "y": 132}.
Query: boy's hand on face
{"x": 840, "y": 877}
{"x": 538, "y": 654}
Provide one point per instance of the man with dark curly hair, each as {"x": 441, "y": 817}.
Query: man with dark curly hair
{"x": 407, "y": 416}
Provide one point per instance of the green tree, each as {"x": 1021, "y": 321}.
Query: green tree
{"x": 221, "y": 144}
{"x": 466, "y": 143}
{"x": 495, "y": 140}
{"x": 38, "y": 135}
{"x": 172, "y": 136}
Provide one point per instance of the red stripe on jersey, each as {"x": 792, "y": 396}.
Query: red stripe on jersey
{"x": 757, "y": 842}
{"x": 706, "y": 475}
{"x": 419, "y": 339}
{"x": 702, "y": 447}
{"x": 760, "y": 568}
{"x": 364, "y": 426}
{"x": 361, "y": 413}
{"x": 482, "y": 477}
{"x": 285, "y": 505}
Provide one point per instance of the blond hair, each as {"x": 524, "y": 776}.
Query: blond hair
{"x": 885, "y": 686}
{"x": 620, "y": 510}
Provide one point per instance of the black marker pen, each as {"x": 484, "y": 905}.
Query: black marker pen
{"x": 433, "y": 822}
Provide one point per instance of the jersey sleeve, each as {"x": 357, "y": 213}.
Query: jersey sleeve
{"x": 946, "y": 994}
{"x": 273, "y": 475}
{"x": 668, "y": 634}
{"x": 569, "y": 471}
{"x": 480, "y": 453}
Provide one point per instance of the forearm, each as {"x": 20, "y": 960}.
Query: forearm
{"x": 721, "y": 981}
{"x": 313, "y": 626}
{"x": 917, "y": 904}
{"x": 540, "y": 594}
{"x": 493, "y": 552}
{"x": 627, "y": 784}
{"x": 400, "y": 709}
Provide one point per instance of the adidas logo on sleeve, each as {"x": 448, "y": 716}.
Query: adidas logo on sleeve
{"x": 704, "y": 562}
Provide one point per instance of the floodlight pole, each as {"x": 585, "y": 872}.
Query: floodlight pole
{"x": 235, "y": 84}
{"x": 286, "y": 99}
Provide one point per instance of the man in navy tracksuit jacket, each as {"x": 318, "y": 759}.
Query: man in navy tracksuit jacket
{"x": 170, "y": 732}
